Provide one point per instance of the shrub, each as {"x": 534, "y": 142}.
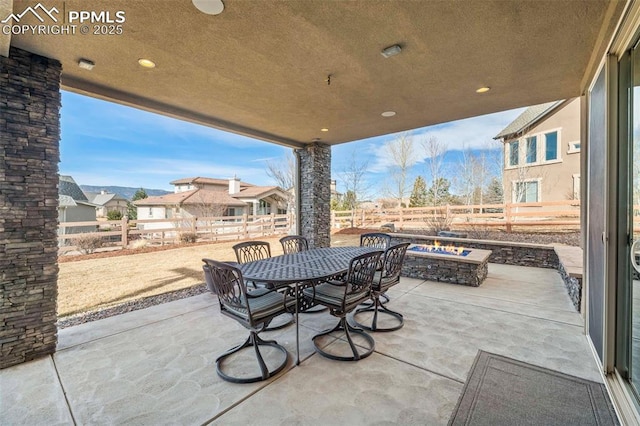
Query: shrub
{"x": 88, "y": 243}
{"x": 188, "y": 237}
{"x": 138, "y": 244}
{"x": 114, "y": 215}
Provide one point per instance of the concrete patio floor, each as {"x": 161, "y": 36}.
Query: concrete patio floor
{"x": 156, "y": 366}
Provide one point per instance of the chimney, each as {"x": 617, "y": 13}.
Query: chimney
{"x": 234, "y": 185}
{"x": 103, "y": 192}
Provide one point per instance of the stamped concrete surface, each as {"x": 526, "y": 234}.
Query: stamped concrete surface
{"x": 157, "y": 365}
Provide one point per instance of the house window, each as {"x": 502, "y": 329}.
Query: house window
{"x": 551, "y": 146}
{"x": 514, "y": 153}
{"x": 532, "y": 149}
{"x": 574, "y": 147}
{"x": 526, "y": 192}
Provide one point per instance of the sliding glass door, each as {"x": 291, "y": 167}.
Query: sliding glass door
{"x": 628, "y": 289}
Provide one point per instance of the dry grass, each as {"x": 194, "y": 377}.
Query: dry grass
{"x": 90, "y": 284}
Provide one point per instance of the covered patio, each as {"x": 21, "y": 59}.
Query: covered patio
{"x": 309, "y": 75}
{"x": 155, "y": 366}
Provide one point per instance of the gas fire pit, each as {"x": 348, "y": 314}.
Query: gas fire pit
{"x": 449, "y": 264}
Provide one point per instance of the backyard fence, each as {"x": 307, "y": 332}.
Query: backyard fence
{"x": 521, "y": 216}
{"x": 509, "y": 217}
{"x": 86, "y": 235}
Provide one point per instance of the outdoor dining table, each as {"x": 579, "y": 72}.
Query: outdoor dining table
{"x": 301, "y": 270}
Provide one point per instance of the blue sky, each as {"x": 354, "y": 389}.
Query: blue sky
{"x": 108, "y": 144}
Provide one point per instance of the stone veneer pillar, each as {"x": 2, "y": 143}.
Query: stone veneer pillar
{"x": 314, "y": 186}
{"x": 29, "y": 156}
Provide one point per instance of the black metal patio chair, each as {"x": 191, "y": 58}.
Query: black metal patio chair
{"x": 254, "y": 312}
{"x": 294, "y": 244}
{"x": 249, "y": 251}
{"x": 376, "y": 240}
{"x": 384, "y": 280}
{"x": 341, "y": 297}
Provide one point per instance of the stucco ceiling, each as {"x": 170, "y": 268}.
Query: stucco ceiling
{"x": 260, "y": 67}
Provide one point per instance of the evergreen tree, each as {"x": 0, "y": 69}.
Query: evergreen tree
{"x": 132, "y": 210}
{"x": 438, "y": 194}
{"x": 418, "y": 193}
{"x": 494, "y": 193}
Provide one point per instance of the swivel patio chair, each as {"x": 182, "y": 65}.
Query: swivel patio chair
{"x": 250, "y": 251}
{"x": 376, "y": 240}
{"x": 341, "y": 297}
{"x": 383, "y": 280}
{"x": 294, "y": 244}
{"x": 253, "y": 312}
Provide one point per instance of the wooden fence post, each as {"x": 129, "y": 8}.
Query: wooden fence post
{"x": 245, "y": 227}
{"x": 507, "y": 216}
{"x": 400, "y": 225}
{"x": 273, "y": 223}
{"x": 124, "y": 228}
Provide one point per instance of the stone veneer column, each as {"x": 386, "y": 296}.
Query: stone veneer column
{"x": 29, "y": 156}
{"x": 314, "y": 191}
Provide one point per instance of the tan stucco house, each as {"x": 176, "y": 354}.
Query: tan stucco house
{"x": 210, "y": 197}
{"x": 542, "y": 153}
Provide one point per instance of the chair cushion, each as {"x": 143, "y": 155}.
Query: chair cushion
{"x": 333, "y": 294}
{"x": 385, "y": 283}
{"x": 263, "y": 306}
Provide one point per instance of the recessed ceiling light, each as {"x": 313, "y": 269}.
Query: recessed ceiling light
{"x": 390, "y": 51}
{"x": 484, "y": 89}
{"x": 210, "y": 7}
{"x": 324, "y": 129}
{"x": 146, "y": 63}
{"x": 388, "y": 113}
{"x": 86, "y": 64}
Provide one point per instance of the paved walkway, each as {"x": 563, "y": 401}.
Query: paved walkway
{"x": 156, "y": 366}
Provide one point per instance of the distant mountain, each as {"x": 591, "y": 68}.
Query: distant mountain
{"x": 123, "y": 191}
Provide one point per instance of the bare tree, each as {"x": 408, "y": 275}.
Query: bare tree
{"x": 283, "y": 172}
{"x": 205, "y": 207}
{"x": 404, "y": 156}
{"x": 473, "y": 176}
{"x": 353, "y": 179}
{"x": 435, "y": 150}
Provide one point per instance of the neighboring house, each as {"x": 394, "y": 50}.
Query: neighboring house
{"x": 542, "y": 153}
{"x": 74, "y": 206}
{"x": 106, "y": 202}
{"x": 207, "y": 197}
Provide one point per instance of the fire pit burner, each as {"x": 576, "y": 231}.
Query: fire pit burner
{"x": 447, "y": 264}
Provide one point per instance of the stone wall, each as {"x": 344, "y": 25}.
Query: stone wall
{"x": 29, "y": 156}
{"x": 444, "y": 270}
{"x": 573, "y": 285}
{"x": 315, "y": 194}
{"x": 508, "y": 253}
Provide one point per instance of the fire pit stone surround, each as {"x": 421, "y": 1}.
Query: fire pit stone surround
{"x": 470, "y": 269}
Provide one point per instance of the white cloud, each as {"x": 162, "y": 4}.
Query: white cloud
{"x": 475, "y": 133}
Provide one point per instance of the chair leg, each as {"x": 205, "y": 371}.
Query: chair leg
{"x": 384, "y": 299}
{"x": 283, "y": 325}
{"x": 378, "y": 308}
{"x": 255, "y": 341}
{"x": 343, "y": 325}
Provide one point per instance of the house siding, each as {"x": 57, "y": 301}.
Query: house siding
{"x": 556, "y": 179}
